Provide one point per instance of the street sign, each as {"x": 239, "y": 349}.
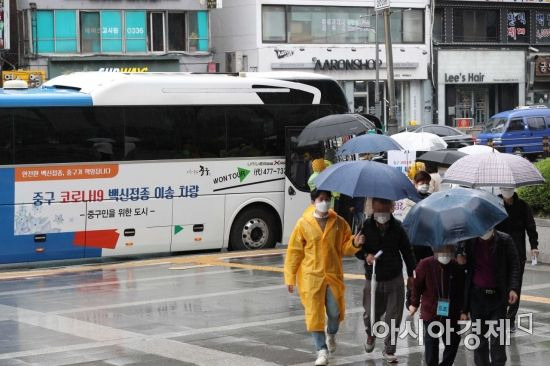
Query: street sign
{"x": 214, "y": 4}
{"x": 381, "y": 5}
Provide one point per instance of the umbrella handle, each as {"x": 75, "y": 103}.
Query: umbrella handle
{"x": 372, "y": 298}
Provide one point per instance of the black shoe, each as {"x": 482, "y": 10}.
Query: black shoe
{"x": 513, "y": 328}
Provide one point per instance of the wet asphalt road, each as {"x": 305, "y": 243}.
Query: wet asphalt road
{"x": 221, "y": 309}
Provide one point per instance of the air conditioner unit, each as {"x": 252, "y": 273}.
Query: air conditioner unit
{"x": 234, "y": 61}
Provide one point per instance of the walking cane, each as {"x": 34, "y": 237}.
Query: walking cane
{"x": 373, "y": 291}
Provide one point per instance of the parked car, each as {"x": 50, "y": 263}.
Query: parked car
{"x": 453, "y": 137}
{"x": 519, "y": 131}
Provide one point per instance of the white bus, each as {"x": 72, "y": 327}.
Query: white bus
{"x": 113, "y": 164}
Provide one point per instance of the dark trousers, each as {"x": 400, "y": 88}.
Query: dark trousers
{"x": 390, "y": 296}
{"x": 488, "y": 307}
{"x": 513, "y": 309}
{"x": 431, "y": 345}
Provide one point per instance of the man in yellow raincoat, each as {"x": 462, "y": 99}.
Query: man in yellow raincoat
{"x": 314, "y": 263}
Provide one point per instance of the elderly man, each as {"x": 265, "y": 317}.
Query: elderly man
{"x": 383, "y": 232}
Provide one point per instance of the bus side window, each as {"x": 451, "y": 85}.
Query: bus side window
{"x": 64, "y": 135}
{"x": 148, "y": 134}
{"x": 209, "y": 131}
{"x": 250, "y": 132}
{"x": 108, "y": 131}
{"x": 6, "y": 136}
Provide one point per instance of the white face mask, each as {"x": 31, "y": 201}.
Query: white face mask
{"x": 507, "y": 192}
{"x": 487, "y": 235}
{"x": 443, "y": 258}
{"x": 423, "y": 188}
{"x": 381, "y": 217}
{"x": 321, "y": 207}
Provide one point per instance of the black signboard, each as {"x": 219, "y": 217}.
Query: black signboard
{"x": 542, "y": 27}
{"x": 213, "y": 4}
{"x": 516, "y": 24}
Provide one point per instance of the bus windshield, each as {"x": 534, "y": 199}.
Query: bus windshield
{"x": 495, "y": 125}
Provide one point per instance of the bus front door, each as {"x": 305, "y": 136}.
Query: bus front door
{"x": 298, "y": 170}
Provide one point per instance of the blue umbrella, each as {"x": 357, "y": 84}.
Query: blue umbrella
{"x": 366, "y": 179}
{"x": 369, "y": 144}
{"x": 449, "y": 217}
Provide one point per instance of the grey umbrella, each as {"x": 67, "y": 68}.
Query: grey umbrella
{"x": 441, "y": 157}
{"x": 334, "y": 125}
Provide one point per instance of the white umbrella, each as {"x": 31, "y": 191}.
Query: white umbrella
{"x": 419, "y": 141}
{"x": 477, "y": 149}
{"x": 373, "y": 291}
{"x": 493, "y": 170}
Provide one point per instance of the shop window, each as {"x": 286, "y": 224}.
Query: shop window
{"x": 90, "y": 32}
{"x": 176, "y": 31}
{"x": 542, "y": 27}
{"x": 516, "y": 125}
{"x": 307, "y": 24}
{"x": 198, "y": 31}
{"x": 273, "y": 23}
{"x": 347, "y": 25}
{"x": 339, "y": 25}
{"x": 155, "y": 32}
{"x": 65, "y": 31}
{"x": 439, "y": 25}
{"x": 55, "y": 31}
{"x": 413, "y": 26}
{"x": 136, "y": 40}
{"x": 480, "y": 25}
{"x": 407, "y": 26}
{"x": 111, "y": 31}
{"x": 516, "y": 27}
{"x": 44, "y": 37}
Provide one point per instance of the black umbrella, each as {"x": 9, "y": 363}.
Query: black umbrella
{"x": 334, "y": 125}
{"x": 441, "y": 157}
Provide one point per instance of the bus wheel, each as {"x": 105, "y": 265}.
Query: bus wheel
{"x": 517, "y": 151}
{"x": 254, "y": 228}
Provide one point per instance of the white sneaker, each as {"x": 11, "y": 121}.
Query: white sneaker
{"x": 390, "y": 358}
{"x": 322, "y": 358}
{"x": 331, "y": 341}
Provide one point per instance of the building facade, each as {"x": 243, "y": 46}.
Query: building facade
{"x": 490, "y": 57}
{"x": 125, "y": 35}
{"x": 334, "y": 38}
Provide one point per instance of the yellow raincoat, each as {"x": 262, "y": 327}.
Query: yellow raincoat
{"x": 314, "y": 261}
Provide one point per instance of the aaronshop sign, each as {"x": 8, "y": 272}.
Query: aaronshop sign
{"x": 347, "y": 64}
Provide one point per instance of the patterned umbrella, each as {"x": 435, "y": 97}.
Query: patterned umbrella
{"x": 493, "y": 170}
{"x": 419, "y": 141}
